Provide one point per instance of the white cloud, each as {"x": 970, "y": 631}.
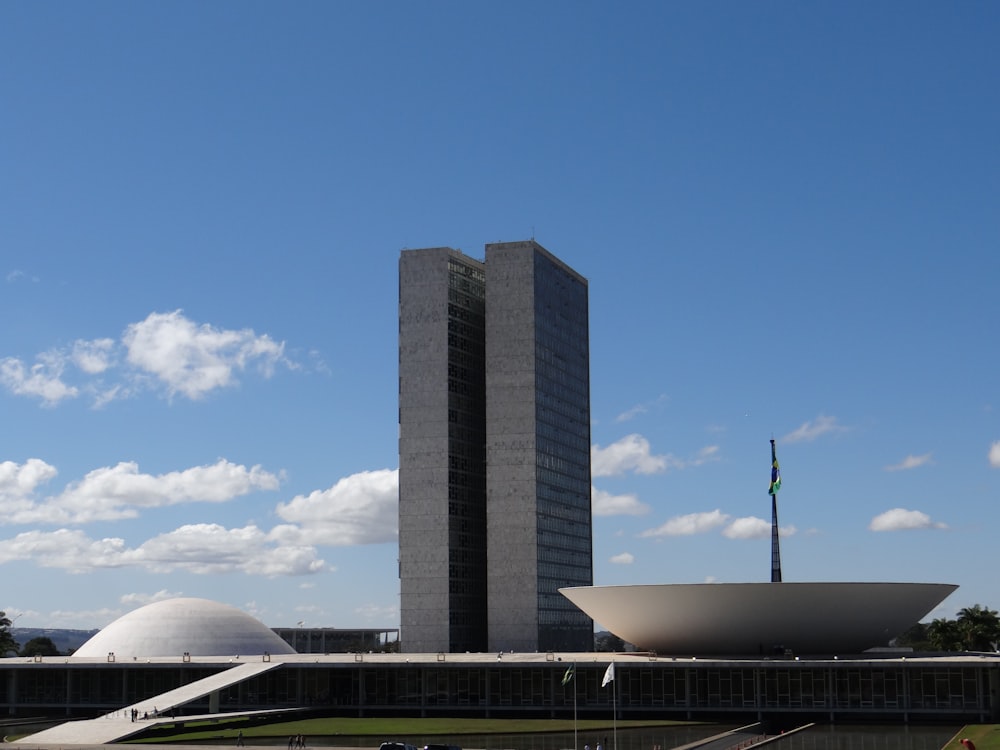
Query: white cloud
{"x": 899, "y": 519}
{"x": 43, "y": 380}
{"x": 995, "y": 455}
{"x": 16, "y": 613}
{"x": 104, "y": 396}
{"x": 21, "y": 480}
{"x": 197, "y": 548}
{"x": 195, "y": 359}
{"x": 210, "y": 549}
{"x": 625, "y": 558}
{"x": 639, "y": 409}
{"x": 809, "y": 431}
{"x": 705, "y": 455}
{"x": 632, "y": 413}
{"x": 70, "y": 550}
{"x": 93, "y": 357}
{"x": 112, "y": 493}
{"x": 17, "y": 275}
{"x": 141, "y": 600}
{"x": 692, "y": 523}
{"x": 631, "y": 453}
{"x": 751, "y": 527}
{"x": 85, "y": 619}
{"x": 605, "y": 504}
{"x": 378, "y": 613}
{"x": 910, "y": 462}
{"x": 166, "y": 350}
{"x": 359, "y": 509}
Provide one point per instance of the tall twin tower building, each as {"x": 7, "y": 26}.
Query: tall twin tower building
{"x": 494, "y": 451}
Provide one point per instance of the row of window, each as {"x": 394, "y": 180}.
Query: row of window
{"x": 458, "y": 343}
{"x": 579, "y": 486}
{"x": 555, "y": 433}
{"x": 636, "y": 686}
{"x": 573, "y": 385}
{"x": 560, "y": 517}
{"x": 464, "y": 313}
{"x": 462, "y": 463}
{"x": 465, "y": 503}
{"x": 465, "y": 300}
{"x": 465, "y": 409}
{"x": 471, "y": 389}
{"x": 569, "y": 409}
{"x": 570, "y": 465}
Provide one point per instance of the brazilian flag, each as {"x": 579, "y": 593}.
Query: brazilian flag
{"x": 775, "y": 473}
{"x": 570, "y": 673}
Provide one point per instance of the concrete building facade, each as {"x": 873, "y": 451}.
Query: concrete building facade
{"x": 537, "y": 449}
{"x": 442, "y": 437}
{"x": 494, "y": 471}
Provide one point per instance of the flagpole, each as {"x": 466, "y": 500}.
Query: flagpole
{"x": 609, "y": 676}
{"x": 614, "y": 714}
{"x": 773, "y": 492}
{"x": 569, "y": 678}
{"x": 576, "y": 744}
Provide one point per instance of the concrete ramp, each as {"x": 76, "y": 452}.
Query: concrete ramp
{"x": 118, "y": 725}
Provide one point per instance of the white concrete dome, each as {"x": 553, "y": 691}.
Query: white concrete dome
{"x": 174, "y": 626}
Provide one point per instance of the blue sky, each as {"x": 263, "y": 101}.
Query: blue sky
{"x": 787, "y": 213}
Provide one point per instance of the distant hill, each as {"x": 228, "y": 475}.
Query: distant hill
{"x": 66, "y": 641}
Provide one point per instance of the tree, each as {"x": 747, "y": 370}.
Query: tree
{"x": 41, "y": 646}
{"x": 979, "y": 628}
{"x": 608, "y": 642}
{"x": 915, "y": 637}
{"x": 7, "y": 642}
{"x": 944, "y": 635}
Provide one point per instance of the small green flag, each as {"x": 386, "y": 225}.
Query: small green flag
{"x": 570, "y": 673}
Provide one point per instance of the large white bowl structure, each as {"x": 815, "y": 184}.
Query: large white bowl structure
{"x": 173, "y": 627}
{"x": 758, "y": 618}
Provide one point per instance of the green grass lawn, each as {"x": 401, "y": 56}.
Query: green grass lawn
{"x": 380, "y": 728}
{"x": 983, "y": 736}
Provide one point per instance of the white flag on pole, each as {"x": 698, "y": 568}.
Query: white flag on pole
{"x": 609, "y": 675}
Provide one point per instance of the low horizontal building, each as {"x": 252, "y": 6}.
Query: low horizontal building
{"x": 191, "y": 657}
{"x": 333, "y": 640}
{"x": 893, "y": 688}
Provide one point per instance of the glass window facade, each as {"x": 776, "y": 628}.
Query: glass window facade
{"x": 957, "y": 689}
{"x": 562, "y": 450}
{"x": 466, "y": 457}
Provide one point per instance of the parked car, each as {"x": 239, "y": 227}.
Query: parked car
{"x": 397, "y": 746}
